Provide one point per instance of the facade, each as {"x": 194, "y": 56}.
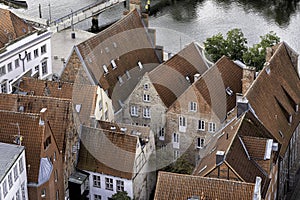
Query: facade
{"x": 188, "y": 187}
{"x": 23, "y": 51}
{"x": 119, "y": 162}
{"x": 13, "y": 178}
{"x": 158, "y": 89}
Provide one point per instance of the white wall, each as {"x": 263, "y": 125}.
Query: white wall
{"x": 16, "y": 184}
{"x": 29, "y": 44}
{"x": 108, "y": 193}
{"x": 107, "y": 107}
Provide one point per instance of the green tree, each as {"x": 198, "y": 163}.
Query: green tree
{"x": 121, "y": 196}
{"x": 256, "y": 55}
{"x": 181, "y": 166}
{"x": 215, "y": 47}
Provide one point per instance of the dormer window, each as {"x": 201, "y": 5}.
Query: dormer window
{"x": 105, "y": 69}
{"x": 229, "y": 91}
{"x": 140, "y": 65}
{"x": 113, "y": 63}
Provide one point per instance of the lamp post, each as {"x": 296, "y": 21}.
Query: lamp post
{"x": 23, "y": 60}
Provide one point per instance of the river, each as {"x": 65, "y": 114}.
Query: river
{"x": 182, "y": 21}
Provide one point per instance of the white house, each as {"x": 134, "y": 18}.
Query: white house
{"x": 117, "y": 159}
{"x": 13, "y": 178}
{"x": 23, "y": 50}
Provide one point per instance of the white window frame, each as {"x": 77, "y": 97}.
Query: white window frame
{"x": 4, "y": 187}
{"x": 134, "y": 111}
{"x": 200, "y": 143}
{"x": 119, "y": 185}
{"x": 44, "y": 68}
{"x": 176, "y": 154}
{"x": 146, "y": 98}
{"x": 161, "y": 134}
{"x": 21, "y": 165}
{"x": 16, "y": 175}
{"x": 146, "y": 113}
{"x": 17, "y": 63}
{"x": 10, "y": 180}
{"x": 36, "y": 53}
{"x": 9, "y": 67}
{"x": 211, "y": 127}
{"x": 109, "y": 184}
{"x": 201, "y": 125}
{"x": 193, "y": 106}
{"x": 2, "y": 70}
{"x": 43, "y": 49}
{"x": 182, "y": 123}
{"x": 96, "y": 181}
{"x": 28, "y": 56}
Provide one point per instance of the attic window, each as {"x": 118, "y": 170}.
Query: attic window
{"x": 113, "y": 63}
{"x": 229, "y": 91}
{"x": 140, "y": 65}
{"x": 105, "y": 69}
{"x": 78, "y": 107}
{"x": 120, "y": 80}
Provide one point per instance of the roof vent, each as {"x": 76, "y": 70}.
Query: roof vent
{"x": 105, "y": 69}
{"x": 140, "y": 65}
{"x": 123, "y": 129}
{"x": 113, "y": 128}
{"x": 113, "y": 63}
{"x": 275, "y": 146}
{"x": 267, "y": 68}
{"x": 196, "y": 77}
{"x": 188, "y": 79}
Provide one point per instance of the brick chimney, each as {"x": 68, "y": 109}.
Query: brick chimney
{"x": 248, "y": 78}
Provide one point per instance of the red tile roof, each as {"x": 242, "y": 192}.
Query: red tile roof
{"x": 275, "y": 94}
{"x": 169, "y": 78}
{"x": 11, "y": 27}
{"x": 108, "y": 152}
{"x": 181, "y": 187}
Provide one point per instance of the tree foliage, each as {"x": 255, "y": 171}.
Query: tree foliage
{"x": 181, "y": 166}
{"x": 121, "y": 196}
{"x": 234, "y": 47}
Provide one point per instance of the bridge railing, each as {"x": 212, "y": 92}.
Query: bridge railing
{"x": 81, "y": 10}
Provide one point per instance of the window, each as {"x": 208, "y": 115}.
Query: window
{"x": 23, "y": 190}
{"x": 134, "y": 111}
{"x": 96, "y": 181}
{"x": 162, "y": 132}
{"x": 176, "y": 154}
{"x": 175, "y": 137}
{"x": 4, "y": 187}
{"x": 43, "y": 49}
{"x": 44, "y": 68}
{"x": 16, "y": 175}
{"x": 47, "y": 142}
{"x": 21, "y": 166}
{"x": 17, "y": 63}
{"x": 200, "y": 143}
{"x": 201, "y": 125}
{"x": 120, "y": 185}
{"x": 211, "y": 127}
{"x": 3, "y": 87}
{"x": 146, "y": 97}
{"x": 43, "y": 193}
{"x": 193, "y": 106}
{"x": 2, "y": 70}
{"x": 182, "y": 121}
{"x": 28, "y": 56}
{"x": 97, "y": 197}
{"x": 9, "y": 67}
{"x": 127, "y": 74}
{"x": 146, "y": 112}
{"x": 18, "y": 197}
{"x": 36, "y": 53}
{"x": 36, "y": 68}
{"x": 146, "y": 86}
{"x": 10, "y": 181}
{"x": 109, "y": 184}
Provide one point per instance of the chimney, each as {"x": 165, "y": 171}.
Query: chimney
{"x": 220, "y": 155}
{"x": 248, "y": 78}
{"x": 257, "y": 189}
{"x": 241, "y": 104}
{"x": 43, "y": 114}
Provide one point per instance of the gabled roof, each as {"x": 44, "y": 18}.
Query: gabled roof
{"x": 32, "y": 137}
{"x": 11, "y": 27}
{"x": 174, "y": 76}
{"x": 108, "y": 152}
{"x": 243, "y": 157}
{"x": 212, "y": 86}
{"x": 182, "y": 187}
{"x": 124, "y": 44}
{"x": 275, "y": 95}
{"x": 58, "y": 111}
{"x": 82, "y": 96}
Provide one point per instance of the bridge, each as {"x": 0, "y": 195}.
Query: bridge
{"x": 74, "y": 17}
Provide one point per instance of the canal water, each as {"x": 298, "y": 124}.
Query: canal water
{"x": 179, "y": 22}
